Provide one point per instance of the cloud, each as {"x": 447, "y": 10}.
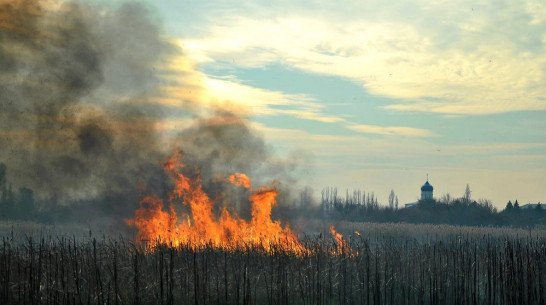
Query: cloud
{"x": 406, "y": 151}
{"x": 443, "y": 57}
{"x": 232, "y": 94}
{"x": 189, "y": 86}
{"x": 347, "y": 147}
{"x": 392, "y": 130}
{"x": 266, "y": 102}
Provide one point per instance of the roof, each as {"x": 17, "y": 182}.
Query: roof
{"x": 410, "y": 205}
{"x": 427, "y": 187}
{"x": 530, "y": 206}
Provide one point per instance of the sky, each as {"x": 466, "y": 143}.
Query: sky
{"x": 375, "y": 95}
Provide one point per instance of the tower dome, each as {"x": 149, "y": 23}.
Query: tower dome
{"x": 427, "y": 187}
{"x": 426, "y": 191}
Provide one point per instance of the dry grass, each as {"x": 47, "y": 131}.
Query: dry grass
{"x": 396, "y": 264}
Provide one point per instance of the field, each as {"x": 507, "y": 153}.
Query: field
{"x": 387, "y": 264}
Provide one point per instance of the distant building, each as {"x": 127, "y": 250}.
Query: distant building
{"x": 426, "y": 194}
{"x": 531, "y": 206}
{"x": 426, "y": 191}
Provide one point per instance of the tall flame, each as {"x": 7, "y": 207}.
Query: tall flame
{"x": 341, "y": 246}
{"x": 202, "y": 227}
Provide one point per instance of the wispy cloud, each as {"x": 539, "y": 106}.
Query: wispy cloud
{"x": 392, "y": 130}
{"x": 229, "y": 92}
{"x": 267, "y": 102}
{"x": 383, "y": 150}
{"x": 444, "y": 57}
{"x": 189, "y": 85}
{"x": 186, "y": 85}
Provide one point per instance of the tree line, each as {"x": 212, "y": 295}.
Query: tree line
{"x": 18, "y": 204}
{"x": 21, "y": 203}
{"x": 359, "y": 206}
{"x": 356, "y": 205}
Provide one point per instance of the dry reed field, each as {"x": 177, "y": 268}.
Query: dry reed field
{"x": 386, "y": 264}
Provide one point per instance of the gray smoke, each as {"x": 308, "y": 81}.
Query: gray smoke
{"x": 76, "y": 120}
{"x": 225, "y": 144}
{"x": 73, "y": 81}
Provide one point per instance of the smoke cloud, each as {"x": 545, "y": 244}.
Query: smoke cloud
{"x": 71, "y": 82}
{"x": 79, "y": 117}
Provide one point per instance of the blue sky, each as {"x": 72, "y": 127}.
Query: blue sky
{"x": 375, "y": 95}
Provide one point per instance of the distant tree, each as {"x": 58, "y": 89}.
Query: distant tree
{"x": 516, "y": 205}
{"x": 396, "y": 203}
{"x": 325, "y": 202}
{"x": 467, "y": 195}
{"x": 391, "y": 199}
{"x": 509, "y": 206}
{"x": 3, "y": 171}
{"x": 3, "y": 185}
{"x": 446, "y": 198}
{"x": 538, "y": 207}
{"x": 6, "y": 194}
{"x": 25, "y": 203}
{"x": 306, "y": 197}
{"x": 487, "y": 205}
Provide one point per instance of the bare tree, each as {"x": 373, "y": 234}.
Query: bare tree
{"x": 306, "y": 197}
{"x": 391, "y": 199}
{"x": 467, "y": 197}
{"x": 446, "y": 198}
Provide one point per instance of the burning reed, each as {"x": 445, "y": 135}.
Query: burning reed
{"x": 458, "y": 269}
{"x": 207, "y": 224}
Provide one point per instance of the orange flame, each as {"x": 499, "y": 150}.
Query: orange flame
{"x": 202, "y": 228}
{"x": 341, "y": 245}
{"x": 239, "y": 179}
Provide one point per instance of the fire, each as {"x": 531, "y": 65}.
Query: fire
{"x": 239, "y": 179}
{"x": 202, "y": 227}
{"x": 341, "y": 245}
